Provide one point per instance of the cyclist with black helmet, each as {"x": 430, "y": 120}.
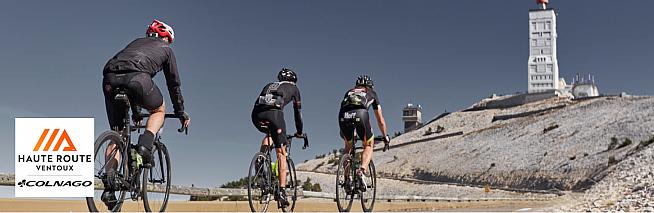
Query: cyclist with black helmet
{"x": 268, "y": 118}
{"x": 354, "y": 109}
{"x": 133, "y": 69}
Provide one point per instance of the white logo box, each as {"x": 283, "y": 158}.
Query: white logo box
{"x": 57, "y": 180}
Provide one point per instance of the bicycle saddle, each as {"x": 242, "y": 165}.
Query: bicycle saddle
{"x": 264, "y": 124}
{"x": 120, "y": 93}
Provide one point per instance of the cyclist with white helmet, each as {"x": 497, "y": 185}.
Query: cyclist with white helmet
{"x": 132, "y": 69}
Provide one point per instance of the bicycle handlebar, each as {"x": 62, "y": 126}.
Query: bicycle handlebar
{"x": 167, "y": 115}
{"x": 304, "y": 136}
{"x": 376, "y": 139}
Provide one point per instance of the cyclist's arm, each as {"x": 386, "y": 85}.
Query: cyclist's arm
{"x": 380, "y": 120}
{"x": 378, "y": 113}
{"x": 297, "y": 112}
{"x": 173, "y": 82}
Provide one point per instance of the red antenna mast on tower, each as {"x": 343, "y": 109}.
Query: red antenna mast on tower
{"x": 543, "y": 3}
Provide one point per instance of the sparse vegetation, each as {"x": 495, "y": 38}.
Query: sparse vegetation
{"x": 625, "y": 143}
{"x": 613, "y": 144}
{"x": 550, "y": 128}
{"x": 647, "y": 142}
{"x": 237, "y": 184}
{"x": 612, "y": 160}
{"x": 428, "y": 132}
{"x": 307, "y": 186}
{"x": 397, "y": 134}
{"x": 316, "y": 187}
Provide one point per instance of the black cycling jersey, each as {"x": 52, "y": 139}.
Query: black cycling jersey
{"x": 150, "y": 55}
{"x": 353, "y": 116}
{"x": 367, "y": 96}
{"x": 275, "y": 96}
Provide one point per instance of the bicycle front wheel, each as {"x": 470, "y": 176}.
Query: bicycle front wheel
{"x": 259, "y": 183}
{"x": 344, "y": 184}
{"x": 291, "y": 185}
{"x": 109, "y": 156}
{"x": 369, "y": 194}
{"x": 156, "y": 180}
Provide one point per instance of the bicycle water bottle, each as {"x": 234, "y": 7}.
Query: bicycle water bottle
{"x": 137, "y": 160}
{"x": 273, "y": 166}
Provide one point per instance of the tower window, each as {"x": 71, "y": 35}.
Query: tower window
{"x": 548, "y": 25}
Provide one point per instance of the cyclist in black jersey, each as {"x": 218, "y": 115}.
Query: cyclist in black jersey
{"x": 354, "y": 110}
{"x": 268, "y": 118}
{"x": 132, "y": 69}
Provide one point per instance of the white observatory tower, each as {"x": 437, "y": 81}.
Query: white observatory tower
{"x": 412, "y": 117}
{"x": 543, "y": 67}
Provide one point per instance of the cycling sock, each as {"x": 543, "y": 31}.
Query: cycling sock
{"x": 146, "y": 141}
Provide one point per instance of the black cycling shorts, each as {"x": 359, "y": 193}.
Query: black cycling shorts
{"x": 141, "y": 90}
{"x": 271, "y": 122}
{"x": 355, "y": 121}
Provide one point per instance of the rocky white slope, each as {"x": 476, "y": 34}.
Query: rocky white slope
{"x": 627, "y": 187}
{"x": 554, "y": 144}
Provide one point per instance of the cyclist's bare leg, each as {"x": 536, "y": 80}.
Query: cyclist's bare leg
{"x": 111, "y": 163}
{"x": 281, "y": 157}
{"x": 367, "y": 154}
{"x": 156, "y": 119}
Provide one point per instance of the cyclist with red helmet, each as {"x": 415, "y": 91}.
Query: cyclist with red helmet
{"x": 133, "y": 69}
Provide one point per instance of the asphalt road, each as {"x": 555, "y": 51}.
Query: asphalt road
{"x": 309, "y": 205}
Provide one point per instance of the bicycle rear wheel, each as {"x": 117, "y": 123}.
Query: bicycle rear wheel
{"x": 368, "y": 196}
{"x": 157, "y": 180}
{"x": 344, "y": 184}
{"x": 259, "y": 183}
{"x": 108, "y": 155}
{"x": 291, "y": 185}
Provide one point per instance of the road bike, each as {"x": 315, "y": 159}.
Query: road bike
{"x": 263, "y": 181}
{"x": 120, "y": 168}
{"x": 350, "y": 185}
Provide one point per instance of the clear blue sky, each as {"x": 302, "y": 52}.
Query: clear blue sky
{"x": 440, "y": 54}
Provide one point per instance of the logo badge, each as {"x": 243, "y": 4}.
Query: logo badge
{"x": 64, "y": 136}
{"x": 54, "y": 157}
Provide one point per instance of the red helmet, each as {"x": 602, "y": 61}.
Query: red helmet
{"x": 160, "y": 29}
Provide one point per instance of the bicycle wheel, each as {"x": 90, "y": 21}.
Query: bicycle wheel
{"x": 108, "y": 155}
{"x": 156, "y": 180}
{"x": 259, "y": 183}
{"x": 368, "y": 196}
{"x": 291, "y": 185}
{"x": 344, "y": 186}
